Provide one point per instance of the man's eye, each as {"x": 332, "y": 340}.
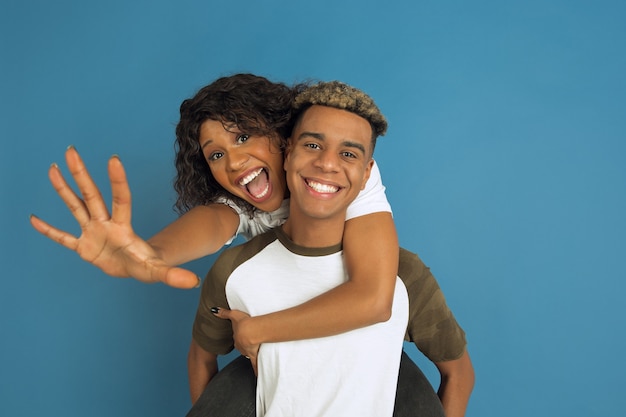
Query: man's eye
{"x": 312, "y": 145}
{"x": 215, "y": 156}
{"x": 243, "y": 138}
{"x": 348, "y": 154}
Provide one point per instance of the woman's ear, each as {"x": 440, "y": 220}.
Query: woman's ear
{"x": 287, "y": 151}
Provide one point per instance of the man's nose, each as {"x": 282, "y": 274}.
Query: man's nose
{"x": 327, "y": 161}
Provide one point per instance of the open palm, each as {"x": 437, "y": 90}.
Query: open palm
{"x": 107, "y": 240}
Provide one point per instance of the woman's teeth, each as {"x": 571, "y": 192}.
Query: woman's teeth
{"x": 246, "y": 180}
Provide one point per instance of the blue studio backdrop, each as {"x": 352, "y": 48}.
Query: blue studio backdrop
{"x": 504, "y": 163}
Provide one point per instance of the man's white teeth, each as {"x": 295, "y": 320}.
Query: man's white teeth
{"x": 322, "y": 188}
{"x": 246, "y": 180}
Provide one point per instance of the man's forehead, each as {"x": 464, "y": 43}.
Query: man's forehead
{"x": 321, "y": 121}
{"x": 325, "y": 115}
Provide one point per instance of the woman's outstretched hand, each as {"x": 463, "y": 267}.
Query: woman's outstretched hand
{"x": 108, "y": 240}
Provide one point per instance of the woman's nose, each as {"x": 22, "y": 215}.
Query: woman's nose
{"x": 237, "y": 160}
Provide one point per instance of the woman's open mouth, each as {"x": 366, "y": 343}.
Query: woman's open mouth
{"x": 256, "y": 183}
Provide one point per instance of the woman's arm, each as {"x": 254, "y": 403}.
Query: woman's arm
{"x": 109, "y": 242}
{"x": 371, "y": 254}
{"x": 201, "y": 231}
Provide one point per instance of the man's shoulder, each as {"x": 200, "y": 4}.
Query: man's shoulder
{"x": 236, "y": 255}
{"x": 411, "y": 268}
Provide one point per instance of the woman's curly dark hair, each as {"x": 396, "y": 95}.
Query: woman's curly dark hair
{"x": 253, "y": 104}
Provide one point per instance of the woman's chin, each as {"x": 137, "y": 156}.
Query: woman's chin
{"x": 268, "y": 204}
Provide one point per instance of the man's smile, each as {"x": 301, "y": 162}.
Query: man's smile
{"x": 322, "y": 188}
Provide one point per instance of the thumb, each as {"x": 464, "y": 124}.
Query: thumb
{"x": 181, "y": 278}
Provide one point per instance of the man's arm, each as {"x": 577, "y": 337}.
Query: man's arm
{"x": 457, "y": 382}
{"x": 201, "y": 367}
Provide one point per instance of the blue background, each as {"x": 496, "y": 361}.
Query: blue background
{"x": 504, "y": 163}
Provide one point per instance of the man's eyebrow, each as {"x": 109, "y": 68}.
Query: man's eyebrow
{"x": 321, "y": 137}
{"x": 354, "y": 145}
{"x": 304, "y": 135}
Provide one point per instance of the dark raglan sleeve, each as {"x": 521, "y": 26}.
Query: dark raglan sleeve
{"x": 213, "y": 334}
{"x": 432, "y": 326}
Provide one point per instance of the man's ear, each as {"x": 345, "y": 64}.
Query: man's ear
{"x": 367, "y": 173}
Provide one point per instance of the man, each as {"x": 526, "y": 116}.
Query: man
{"x": 327, "y": 162}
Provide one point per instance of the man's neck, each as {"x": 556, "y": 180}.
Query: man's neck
{"x": 314, "y": 233}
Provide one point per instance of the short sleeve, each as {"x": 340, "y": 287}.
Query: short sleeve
{"x": 213, "y": 334}
{"x": 372, "y": 199}
{"x": 432, "y": 326}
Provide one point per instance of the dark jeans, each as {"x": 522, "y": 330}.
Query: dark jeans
{"x": 232, "y": 393}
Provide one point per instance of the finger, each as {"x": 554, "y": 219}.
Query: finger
{"x": 121, "y": 206}
{"x": 253, "y": 361}
{"x": 153, "y": 271}
{"x": 88, "y": 189}
{"x": 69, "y": 197}
{"x": 222, "y": 313}
{"x": 53, "y": 233}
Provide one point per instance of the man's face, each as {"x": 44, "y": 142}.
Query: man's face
{"x": 328, "y": 161}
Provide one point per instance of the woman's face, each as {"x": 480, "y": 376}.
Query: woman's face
{"x": 248, "y": 166}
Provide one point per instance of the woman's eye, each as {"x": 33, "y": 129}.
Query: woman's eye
{"x": 243, "y": 138}
{"x": 215, "y": 156}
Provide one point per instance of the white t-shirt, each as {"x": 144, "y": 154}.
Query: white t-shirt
{"x": 351, "y": 374}
{"x": 372, "y": 199}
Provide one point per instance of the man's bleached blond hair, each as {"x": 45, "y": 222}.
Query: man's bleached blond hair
{"x": 342, "y": 96}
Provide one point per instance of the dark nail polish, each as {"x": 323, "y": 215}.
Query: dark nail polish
{"x": 215, "y": 310}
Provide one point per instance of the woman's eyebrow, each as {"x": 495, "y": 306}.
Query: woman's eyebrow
{"x": 203, "y": 145}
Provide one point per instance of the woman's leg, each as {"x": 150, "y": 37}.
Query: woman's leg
{"x": 231, "y": 393}
{"x": 415, "y": 396}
